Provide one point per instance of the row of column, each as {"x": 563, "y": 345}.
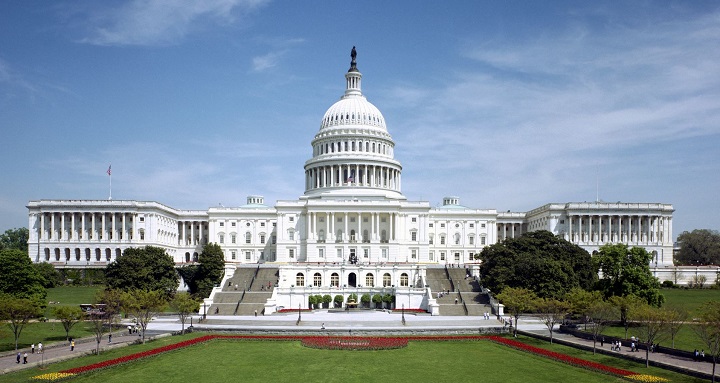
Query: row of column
{"x": 646, "y": 229}
{"x": 196, "y": 236}
{"x": 88, "y": 226}
{"x": 353, "y": 174}
{"x": 509, "y": 230}
{"x": 329, "y": 226}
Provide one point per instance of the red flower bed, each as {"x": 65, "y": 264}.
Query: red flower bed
{"x": 354, "y": 343}
{"x": 293, "y": 310}
{"x": 422, "y": 311}
{"x": 561, "y": 357}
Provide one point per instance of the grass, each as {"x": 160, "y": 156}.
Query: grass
{"x": 690, "y": 299}
{"x": 46, "y": 332}
{"x": 70, "y": 296}
{"x": 262, "y": 361}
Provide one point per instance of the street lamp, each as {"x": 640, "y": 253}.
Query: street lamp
{"x": 403, "y": 313}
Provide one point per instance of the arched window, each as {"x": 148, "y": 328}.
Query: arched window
{"x": 248, "y": 237}
{"x": 366, "y": 238}
{"x": 300, "y": 280}
{"x": 77, "y": 254}
{"x": 321, "y": 235}
{"x": 457, "y": 238}
{"x": 88, "y": 255}
{"x": 369, "y": 280}
{"x": 335, "y": 280}
{"x": 352, "y": 235}
{"x": 404, "y": 280}
{"x": 47, "y": 254}
{"x": 67, "y": 254}
{"x": 387, "y": 280}
{"x": 187, "y": 257}
{"x": 57, "y": 254}
{"x": 108, "y": 255}
{"x": 317, "y": 280}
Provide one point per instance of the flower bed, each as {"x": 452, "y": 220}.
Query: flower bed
{"x": 293, "y": 310}
{"x": 356, "y": 343}
{"x": 420, "y": 311}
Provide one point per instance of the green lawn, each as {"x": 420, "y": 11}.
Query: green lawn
{"x": 258, "y": 361}
{"x": 70, "y": 296}
{"x": 46, "y": 332}
{"x": 690, "y": 299}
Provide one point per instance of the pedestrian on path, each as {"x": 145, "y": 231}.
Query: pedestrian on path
{"x": 25, "y": 358}
{"x": 129, "y": 330}
{"x": 109, "y": 338}
{"x": 72, "y": 345}
{"x": 32, "y": 348}
{"x": 18, "y": 358}
{"x": 255, "y": 312}
{"x": 40, "y": 349}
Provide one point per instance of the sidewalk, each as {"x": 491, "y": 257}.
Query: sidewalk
{"x": 666, "y": 361}
{"x": 61, "y": 351}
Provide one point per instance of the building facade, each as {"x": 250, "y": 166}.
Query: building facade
{"x": 351, "y": 218}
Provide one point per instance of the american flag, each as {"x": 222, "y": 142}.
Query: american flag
{"x": 109, "y": 171}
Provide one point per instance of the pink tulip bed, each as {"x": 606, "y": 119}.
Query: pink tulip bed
{"x": 356, "y": 343}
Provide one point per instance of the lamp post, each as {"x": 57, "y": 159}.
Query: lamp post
{"x": 403, "y": 313}
{"x": 299, "y": 312}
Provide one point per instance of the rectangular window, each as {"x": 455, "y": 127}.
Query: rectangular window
{"x": 339, "y": 253}
{"x": 292, "y": 235}
{"x": 413, "y": 236}
{"x": 413, "y": 254}
{"x": 414, "y": 219}
{"x": 274, "y": 239}
{"x": 292, "y": 219}
{"x": 233, "y": 224}
{"x": 471, "y": 240}
{"x": 431, "y": 256}
{"x": 457, "y": 257}
{"x": 222, "y": 238}
{"x": 472, "y": 225}
{"x": 247, "y": 256}
{"x": 482, "y": 225}
{"x": 442, "y": 255}
{"x": 431, "y": 225}
{"x": 262, "y": 224}
{"x": 482, "y": 240}
{"x": 442, "y": 240}
{"x": 232, "y": 238}
{"x": 442, "y": 225}
{"x": 233, "y": 255}
{"x": 142, "y": 219}
{"x": 384, "y": 253}
{"x": 262, "y": 238}
{"x": 366, "y": 253}
{"x": 431, "y": 240}
{"x": 321, "y": 253}
{"x": 222, "y": 224}
{"x": 471, "y": 256}
{"x": 291, "y": 253}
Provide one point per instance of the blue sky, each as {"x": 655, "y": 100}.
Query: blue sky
{"x": 508, "y": 105}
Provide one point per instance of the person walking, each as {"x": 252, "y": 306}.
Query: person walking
{"x": 110, "y": 338}
{"x": 17, "y": 358}
{"x": 32, "y": 348}
{"x": 72, "y": 345}
{"x": 25, "y": 358}
{"x": 40, "y": 349}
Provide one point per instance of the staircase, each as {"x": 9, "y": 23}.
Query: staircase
{"x": 466, "y": 291}
{"x": 246, "y": 292}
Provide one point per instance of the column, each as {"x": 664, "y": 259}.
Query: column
{"x": 581, "y": 233}
{"x": 124, "y": 235}
{"x": 42, "y": 226}
{"x": 93, "y": 228}
{"x": 360, "y": 232}
{"x": 134, "y": 227}
{"x": 62, "y": 236}
{"x": 72, "y": 227}
{"x": 346, "y": 233}
{"x": 83, "y": 234}
{"x": 570, "y": 229}
{"x": 373, "y": 234}
{"x": 192, "y": 233}
{"x": 104, "y": 228}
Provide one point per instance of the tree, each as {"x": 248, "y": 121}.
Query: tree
{"x": 69, "y": 316}
{"x": 144, "y": 305}
{"x": 207, "y": 274}
{"x": 699, "y": 247}
{"x": 19, "y": 278}
{"x": 601, "y": 313}
{"x": 626, "y": 271}
{"x": 377, "y": 299}
{"x": 517, "y": 301}
{"x": 147, "y": 268}
{"x": 581, "y": 301}
{"x": 184, "y": 305}
{"x": 708, "y": 330}
{"x": 551, "y": 312}
{"x": 18, "y": 312}
{"x": 102, "y": 321}
{"x": 653, "y": 326}
{"x": 624, "y": 307}
{"x": 50, "y": 277}
{"x": 676, "y": 317}
{"x": 15, "y": 239}
{"x": 538, "y": 261}
{"x": 338, "y": 300}
{"x": 326, "y": 299}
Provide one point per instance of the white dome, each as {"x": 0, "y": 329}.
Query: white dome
{"x": 353, "y": 110}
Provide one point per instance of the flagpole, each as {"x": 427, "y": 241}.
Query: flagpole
{"x": 109, "y": 172}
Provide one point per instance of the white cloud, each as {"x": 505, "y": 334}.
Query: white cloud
{"x": 148, "y": 22}
{"x": 270, "y": 60}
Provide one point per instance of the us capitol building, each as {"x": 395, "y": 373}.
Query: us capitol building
{"x": 352, "y": 227}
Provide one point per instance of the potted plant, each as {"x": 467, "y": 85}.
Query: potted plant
{"x": 312, "y": 301}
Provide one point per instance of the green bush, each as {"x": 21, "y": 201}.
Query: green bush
{"x": 668, "y": 284}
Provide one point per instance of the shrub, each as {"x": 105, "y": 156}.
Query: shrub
{"x": 668, "y": 284}
{"x": 338, "y": 300}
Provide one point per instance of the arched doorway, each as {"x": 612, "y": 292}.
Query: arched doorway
{"x": 352, "y": 280}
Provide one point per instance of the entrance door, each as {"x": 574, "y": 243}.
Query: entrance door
{"x": 352, "y": 280}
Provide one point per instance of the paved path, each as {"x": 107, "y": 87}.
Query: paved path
{"x": 333, "y": 322}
